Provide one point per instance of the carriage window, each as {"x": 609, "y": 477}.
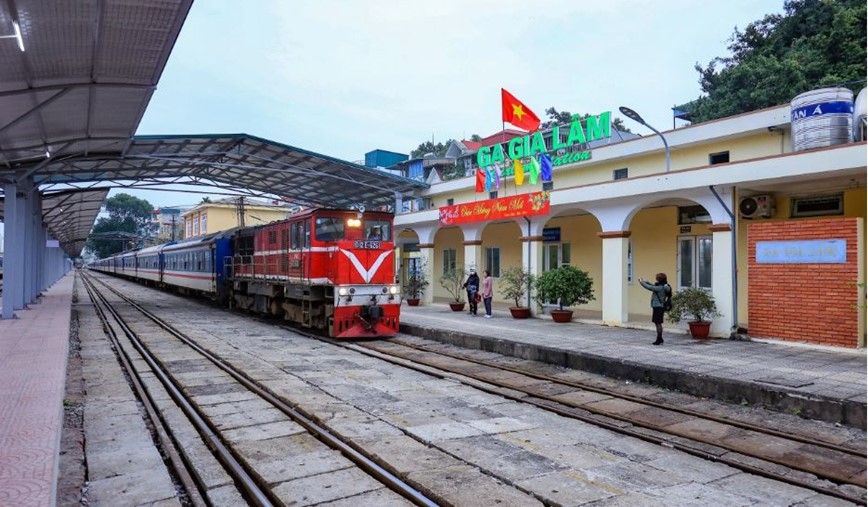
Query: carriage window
{"x": 378, "y": 230}
{"x": 329, "y": 228}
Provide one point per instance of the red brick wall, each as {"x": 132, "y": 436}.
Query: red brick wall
{"x": 812, "y": 303}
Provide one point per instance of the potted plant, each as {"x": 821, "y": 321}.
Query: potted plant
{"x": 697, "y": 304}
{"x": 514, "y": 284}
{"x": 568, "y": 286}
{"x": 453, "y": 282}
{"x": 415, "y": 287}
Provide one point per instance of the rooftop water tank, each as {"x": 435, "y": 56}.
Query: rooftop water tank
{"x": 860, "y": 111}
{"x": 821, "y": 118}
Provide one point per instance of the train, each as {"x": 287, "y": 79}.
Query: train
{"x": 331, "y": 270}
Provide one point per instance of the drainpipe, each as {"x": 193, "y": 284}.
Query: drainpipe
{"x": 734, "y": 259}
{"x": 529, "y": 253}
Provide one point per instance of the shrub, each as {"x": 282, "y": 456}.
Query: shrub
{"x": 415, "y": 285}
{"x": 514, "y": 283}
{"x": 567, "y": 285}
{"x": 692, "y": 302}
{"x": 453, "y": 281}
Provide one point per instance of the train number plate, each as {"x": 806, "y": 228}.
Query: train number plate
{"x": 367, "y": 244}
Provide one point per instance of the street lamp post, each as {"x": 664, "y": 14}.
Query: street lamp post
{"x": 633, "y": 115}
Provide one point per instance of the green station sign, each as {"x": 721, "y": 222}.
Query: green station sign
{"x": 597, "y": 127}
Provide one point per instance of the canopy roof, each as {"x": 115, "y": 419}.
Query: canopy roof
{"x": 69, "y": 215}
{"x": 71, "y": 102}
{"x": 238, "y": 162}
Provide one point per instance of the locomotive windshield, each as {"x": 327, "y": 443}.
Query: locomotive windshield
{"x": 379, "y": 230}
{"x": 329, "y": 228}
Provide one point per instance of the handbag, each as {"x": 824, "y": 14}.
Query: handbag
{"x": 478, "y": 297}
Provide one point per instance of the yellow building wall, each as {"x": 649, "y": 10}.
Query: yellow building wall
{"x": 506, "y": 237}
{"x": 586, "y": 250}
{"x": 448, "y": 238}
{"x": 221, "y": 218}
{"x": 654, "y": 234}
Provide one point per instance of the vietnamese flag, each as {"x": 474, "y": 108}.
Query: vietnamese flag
{"x": 480, "y": 181}
{"x": 515, "y": 112}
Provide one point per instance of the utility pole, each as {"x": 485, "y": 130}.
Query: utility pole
{"x": 173, "y": 227}
{"x": 240, "y": 208}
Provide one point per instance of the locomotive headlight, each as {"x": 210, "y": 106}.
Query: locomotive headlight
{"x": 354, "y": 222}
{"x": 393, "y": 289}
{"x": 342, "y": 291}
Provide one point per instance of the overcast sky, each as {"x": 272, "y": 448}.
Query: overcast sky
{"x": 344, "y": 78}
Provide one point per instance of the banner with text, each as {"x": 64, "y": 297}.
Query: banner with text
{"x": 536, "y": 203}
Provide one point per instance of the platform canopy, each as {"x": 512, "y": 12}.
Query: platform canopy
{"x": 74, "y": 87}
{"x": 69, "y": 215}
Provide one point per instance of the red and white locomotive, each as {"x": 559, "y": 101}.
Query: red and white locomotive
{"x": 325, "y": 269}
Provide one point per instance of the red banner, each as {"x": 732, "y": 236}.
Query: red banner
{"x": 536, "y": 203}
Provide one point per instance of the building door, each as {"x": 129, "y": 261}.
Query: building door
{"x": 694, "y": 262}
{"x": 556, "y": 255}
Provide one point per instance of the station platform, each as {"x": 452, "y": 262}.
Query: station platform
{"x": 33, "y": 357}
{"x": 817, "y": 383}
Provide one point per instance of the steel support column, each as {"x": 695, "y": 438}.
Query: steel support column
{"x": 13, "y": 272}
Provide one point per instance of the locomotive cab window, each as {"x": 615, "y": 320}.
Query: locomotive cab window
{"x": 329, "y": 228}
{"x": 379, "y": 230}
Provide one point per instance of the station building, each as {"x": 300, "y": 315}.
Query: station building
{"x": 227, "y": 213}
{"x": 776, "y": 234}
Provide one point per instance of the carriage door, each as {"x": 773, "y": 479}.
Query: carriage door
{"x": 555, "y": 255}
{"x": 694, "y": 262}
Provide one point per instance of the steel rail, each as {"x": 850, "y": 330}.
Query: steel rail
{"x": 556, "y": 407}
{"x": 180, "y": 465}
{"x": 637, "y": 399}
{"x": 323, "y": 434}
{"x": 232, "y": 465}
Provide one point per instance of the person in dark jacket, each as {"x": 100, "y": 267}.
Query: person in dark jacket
{"x": 472, "y": 287}
{"x": 660, "y": 290}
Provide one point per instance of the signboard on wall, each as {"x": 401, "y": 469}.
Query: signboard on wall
{"x": 551, "y": 235}
{"x": 822, "y": 251}
{"x": 535, "y": 203}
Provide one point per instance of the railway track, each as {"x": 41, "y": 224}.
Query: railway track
{"x": 241, "y": 466}
{"x": 821, "y": 466}
{"x": 810, "y": 463}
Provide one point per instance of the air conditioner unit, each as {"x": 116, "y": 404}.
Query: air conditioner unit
{"x": 757, "y": 206}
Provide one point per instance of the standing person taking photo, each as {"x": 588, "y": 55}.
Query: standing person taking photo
{"x": 472, "y": 287}
{"x": 487, "y": 291}
{"x": 661, "y": 297}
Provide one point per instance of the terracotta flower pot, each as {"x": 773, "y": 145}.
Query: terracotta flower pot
{"x": 699, "y": 329}
{"x": 519, "y": 312}
{"x": 562, "y": 316}
{"x": 456, "y": 307}
{"x": 412, "y": 301}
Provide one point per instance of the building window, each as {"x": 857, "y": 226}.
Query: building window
{"x": 203, "y": 222}
{"x": 188, "y": 228}
{"x": 693, "y": 215}
{"x": 630, "y": 261}
{"x": 548, "y": 185}
{"x": 195, "y": 226}
{"x": 619, "y": 174}
{"x": 450, "y": 202}
{"x": 718, "y": 158}
{"x": 492, "y": 261}
{"x": 818, "y": 205}
{"x": 492, "y": 195}
{"x": 449, "y": 259}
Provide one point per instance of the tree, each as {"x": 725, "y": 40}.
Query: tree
{"x": 565, "y": 118}
{"x": 815, "y": 43}
{"x": 205, "y": 200}
{"x": 438, "y": 149}
{"x": 129, "y": 219}
{"x": 476, "y": 138}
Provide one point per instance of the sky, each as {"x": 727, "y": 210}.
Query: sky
{"x": 342, "y": 78}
